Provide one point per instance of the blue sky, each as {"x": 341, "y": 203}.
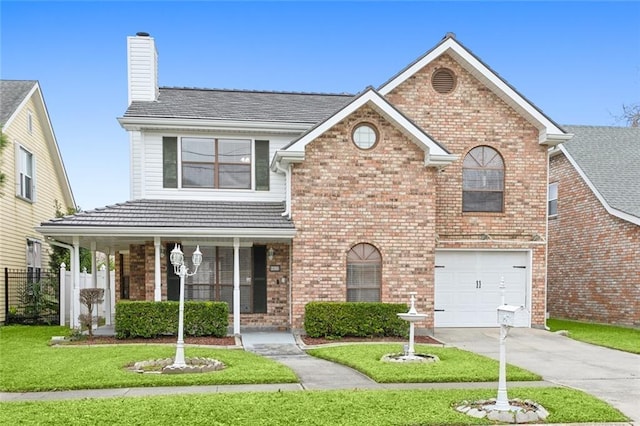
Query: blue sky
{"x": 577, "y": 61}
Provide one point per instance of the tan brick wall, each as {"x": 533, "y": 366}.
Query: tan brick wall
{"x": 468, "y": 117}
{"x": 342, "y": 196}
{"x": 594, "y": 258}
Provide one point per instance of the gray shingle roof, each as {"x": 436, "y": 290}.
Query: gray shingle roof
{"x": 181, "y": 214}
{"x": 610, "y": 158}
{"x": 12, "y": 93}
{"x": 215, "y": 104}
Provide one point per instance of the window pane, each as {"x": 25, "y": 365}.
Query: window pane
{"x": 481, "y": 201}
{"x": 553, "y": 207}
{"x": 234, "y": 151}
{"x": 553, "y": 191}
{"x": 487, "y": 179}
{"x": 236, "y": 176}
{"x": 360, "y": 295}
{"x": 197, "y": 175}
{"x": 198, "y": 150}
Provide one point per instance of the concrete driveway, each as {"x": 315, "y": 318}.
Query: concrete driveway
{"x": 608, "y": 374}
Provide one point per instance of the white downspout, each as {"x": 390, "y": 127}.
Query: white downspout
{"x": 287, "y": 175}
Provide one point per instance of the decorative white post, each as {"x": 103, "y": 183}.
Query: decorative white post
{"x": 236, "y": 286}
{"x": 107, "y": 292}
{"x": 177, "y": 260}
{"x": 502, "y": 400}
{"x": 63, "y": 294}
{"x": 157, "y": 292}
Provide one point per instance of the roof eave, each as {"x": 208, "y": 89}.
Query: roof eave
{"x": 168, "y": 123}
{"x": 97, "y": 231}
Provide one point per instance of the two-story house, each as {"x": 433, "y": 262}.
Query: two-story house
{"x": 594, "y": 226}
{"x": 435, "y": 182}
{"x": 35, "y": 183}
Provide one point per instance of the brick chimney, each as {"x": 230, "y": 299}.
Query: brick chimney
{"x": 142, "y": 68}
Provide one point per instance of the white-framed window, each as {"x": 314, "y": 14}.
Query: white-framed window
{"x": 34, "y": 260}
{"x": 483, "y": 181}
{"x": 25, "y": 173}
{"x": 364, "y": 273}
{"x": 552, "y": 199}
{"x": 215, "y": 163}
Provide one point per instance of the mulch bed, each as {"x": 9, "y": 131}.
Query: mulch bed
{"x": 323, "y": 341}
{"x": 231, "y": 341}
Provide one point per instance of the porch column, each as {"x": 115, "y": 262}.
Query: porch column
{"x": 236, "y": 286}
{"x": 63, "y": 293}
{"x": 94, "y": 266}
{"x": 75, "y": 267}
{"x": 107, "y": 291}
{"x": 157, "y": 294}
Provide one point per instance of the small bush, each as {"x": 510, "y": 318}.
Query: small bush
{"x": 357, "y": 319}
{"x": 152, "y": 319}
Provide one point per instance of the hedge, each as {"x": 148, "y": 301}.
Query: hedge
{"x": 152, "y": 319}
{"x": 356, "y": 319}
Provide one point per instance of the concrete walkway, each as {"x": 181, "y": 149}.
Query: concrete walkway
{"x": 611, "y": 375}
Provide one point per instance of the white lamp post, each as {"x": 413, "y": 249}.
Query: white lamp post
{"x": 179, "y": 268}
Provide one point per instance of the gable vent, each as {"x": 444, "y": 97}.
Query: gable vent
{"x": 443, "y": 81}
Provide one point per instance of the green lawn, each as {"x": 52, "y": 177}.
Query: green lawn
{"x": 28, "y": 363}
{"x": 409, "y": 407}
{"x": 610, "y": 336}
{"x": 455, "y": 365}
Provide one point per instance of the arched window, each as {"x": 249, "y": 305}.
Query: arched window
{"x": 483, "y": 180}
{"x": 364, "y": 272}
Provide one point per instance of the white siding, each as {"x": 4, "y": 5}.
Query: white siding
{"x": 142, "y": 63}
{"x": 146, "y": 161}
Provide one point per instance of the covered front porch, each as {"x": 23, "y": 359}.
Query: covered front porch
{"x": 245, "y": 246}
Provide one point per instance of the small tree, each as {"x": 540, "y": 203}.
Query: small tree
{"x": 90, "y": 297}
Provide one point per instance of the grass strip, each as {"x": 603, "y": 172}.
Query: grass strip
{"x": 28, "y": 363}
{"x": 409, "y": 407}
{"x": 455, "y": 365}
{"x": 610, "y": 336}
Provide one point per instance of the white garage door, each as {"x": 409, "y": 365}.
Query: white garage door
{"x": 467, "y": 287}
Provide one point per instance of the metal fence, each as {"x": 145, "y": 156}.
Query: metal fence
{"x": 32, "y": 296}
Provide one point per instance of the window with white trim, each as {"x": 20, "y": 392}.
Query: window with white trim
{"x": 218, "y": 163}
{"x": 364, "y": 273}
{"x": 25, "y": 174}
{"x": 483, "y": 180}
{"x": 34, "y": 260}
{"x": 552, "y": 199}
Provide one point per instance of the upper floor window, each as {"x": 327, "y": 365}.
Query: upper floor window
{"x": 552, "y": 198}
{"x": 483, "y": 181}
{"x": 25, "y": 173}
{"x": 364, "y": 273}
{"x": 215, "y": 163}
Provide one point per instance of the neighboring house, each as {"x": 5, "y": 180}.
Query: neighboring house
{"x": 594, "y": 226}
{"x": 35, "y": 181}
{"x": 436, "y": 182}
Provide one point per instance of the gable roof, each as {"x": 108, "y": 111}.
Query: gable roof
{"x": 549, "y": 132}
{"x": 14, "y": 94}
{"x": 435, "y": 154}
{"x": 607, "y": 158}
{"x": 183, "y": 105}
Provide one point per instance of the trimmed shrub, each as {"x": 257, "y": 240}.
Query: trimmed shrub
{"x": 152, "y": 319}
{"x": 356, "y": 319}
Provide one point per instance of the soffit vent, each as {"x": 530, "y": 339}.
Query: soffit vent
{"x": 443, "y": 81}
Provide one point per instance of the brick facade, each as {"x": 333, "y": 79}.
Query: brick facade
{"x": 342, "y": 196}
{"x": 594, "y": 261}
{"x": 471, "y": 116}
